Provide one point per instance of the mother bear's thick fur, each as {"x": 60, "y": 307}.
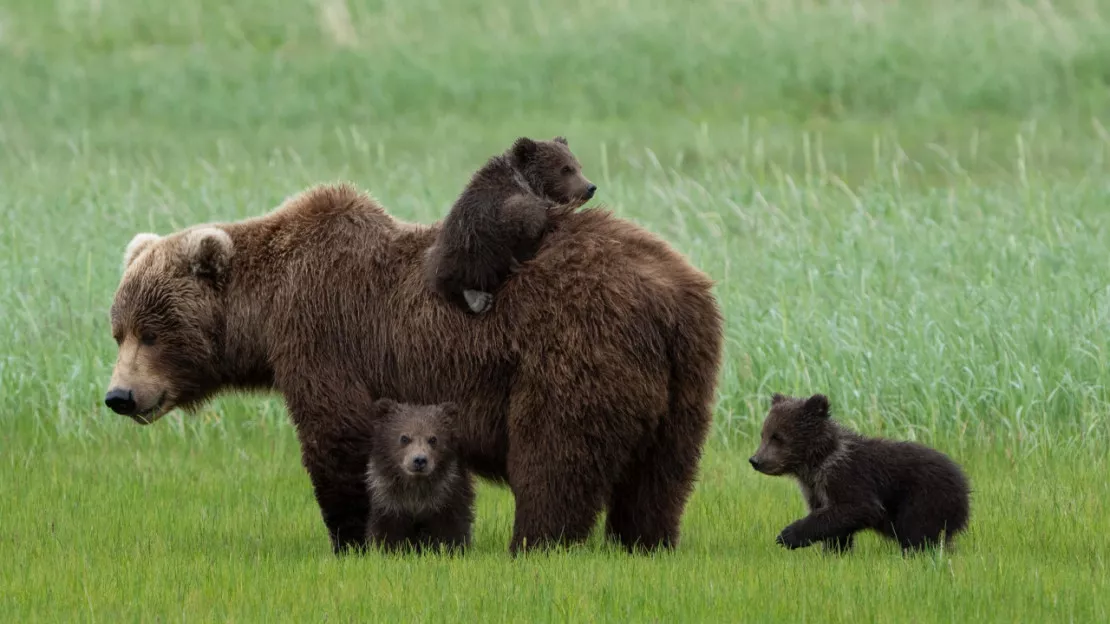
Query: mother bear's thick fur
{"x": 589, "y": 387}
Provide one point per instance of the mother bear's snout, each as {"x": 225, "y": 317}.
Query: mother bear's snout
{"x": 120, "y": 401}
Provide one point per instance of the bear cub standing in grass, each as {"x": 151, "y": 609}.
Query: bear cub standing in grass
{"x": 421, "y": 494}
{"x": 500, "y": 218}
{"x": 903, "y": 490}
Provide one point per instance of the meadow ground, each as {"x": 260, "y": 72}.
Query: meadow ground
{"x": 905, "y": 206}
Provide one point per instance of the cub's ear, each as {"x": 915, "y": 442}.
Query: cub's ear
{"x": 560, "y": 139}
{"x": 523, "y": 151}
{"x": 449, "y": 417}
{"x": 208, "y": 251}
{"x": 383, "y": 407}
{"x": 380, "y": 412}
{"x": 817, "y": 405}
{"x": 137, "y": 245}
{"x": 777, "y": 398}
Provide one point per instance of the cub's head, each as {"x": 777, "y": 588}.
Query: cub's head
{"x": 551, "y": 170}
{"x": 797, "y": 435}
{"x": 168, "y": 321}
{"x": 413, "y": 442}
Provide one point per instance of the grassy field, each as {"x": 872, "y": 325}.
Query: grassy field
{"x": 906, "y": 205}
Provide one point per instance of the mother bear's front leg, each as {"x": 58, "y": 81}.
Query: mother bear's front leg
{"x": 334, "y": 451}
{"x": 339, "y": 484}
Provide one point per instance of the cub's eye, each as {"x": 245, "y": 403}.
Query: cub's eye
{"x": 147, "y": 338}
{"x": 776, "y": 438}
{"x": 432, "y": 441}
{"x": 405, "y": 440}
{"x": 567, "y": 170}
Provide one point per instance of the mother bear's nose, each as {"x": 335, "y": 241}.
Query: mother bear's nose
{"x": 120, "y": 401}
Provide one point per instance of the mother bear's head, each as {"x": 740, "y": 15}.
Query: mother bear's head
{"x": 168, "y": 321}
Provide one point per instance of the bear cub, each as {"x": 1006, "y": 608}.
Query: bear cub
{"x": 903, "y": 490}
{"x": 421, "y": 494}
{"x": 501, "y": 216}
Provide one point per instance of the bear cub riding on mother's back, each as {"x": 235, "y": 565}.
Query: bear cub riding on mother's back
{"x": 500, "y": 218}
{"x": 423, "y": 497}
{"x": 903, "y": 490}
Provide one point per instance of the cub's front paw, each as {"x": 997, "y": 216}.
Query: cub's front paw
{"x": 790, "y": 538}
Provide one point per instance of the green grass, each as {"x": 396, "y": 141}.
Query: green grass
{"x": 905, "y": 205}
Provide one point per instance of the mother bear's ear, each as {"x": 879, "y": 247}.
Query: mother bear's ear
{"x": 208, "y": 251}
{"x": 137, "y": 245}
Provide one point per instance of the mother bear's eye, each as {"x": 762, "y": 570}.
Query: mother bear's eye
{"x": 405, "y": 440}
{"x": 432, "y": 441}
{"x": 147, "y": 338}
{"x": 567, "y": 170}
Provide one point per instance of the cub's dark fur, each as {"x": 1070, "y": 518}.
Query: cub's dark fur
{"x": 422, "y": 496}
{"x": 903, "y": 490}
{"x": 500, "y": 218}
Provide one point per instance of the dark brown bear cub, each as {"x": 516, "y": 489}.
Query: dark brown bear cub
{"x": 422, "y": 497}
{"x": 500, "y": 218}
{"x": 903, "y": 490}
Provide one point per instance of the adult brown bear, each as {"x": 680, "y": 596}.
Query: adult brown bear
{"x": 590, "y": 385}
